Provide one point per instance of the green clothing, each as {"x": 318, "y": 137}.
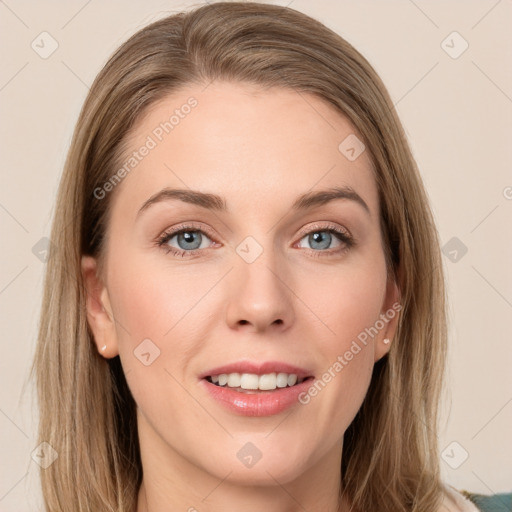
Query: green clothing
{"x": 494, "y": 503}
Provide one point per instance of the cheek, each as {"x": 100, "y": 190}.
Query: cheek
{"x": 161, "y": 311}
{"x": 349, "y": 309}
{"x": 153, "y": 301}
{"x": 347, "y": 299}
{"x": 154, "y": 337}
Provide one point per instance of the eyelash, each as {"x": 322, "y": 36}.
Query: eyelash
{"x": 342, "y": 235}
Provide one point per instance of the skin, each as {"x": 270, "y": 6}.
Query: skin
{"x": 260, "y": 150}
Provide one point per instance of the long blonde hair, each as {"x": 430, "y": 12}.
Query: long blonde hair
{"x": 87, "y": 414}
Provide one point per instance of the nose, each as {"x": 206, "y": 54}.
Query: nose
{"x": 259, "y": 296}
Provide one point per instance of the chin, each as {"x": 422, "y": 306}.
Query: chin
{"x": 260, "y": 462}
{"x": 263, "y": 476}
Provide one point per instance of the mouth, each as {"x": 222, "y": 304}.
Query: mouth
{"x": 255, "y": 388}
{"x": 252, "y": 383}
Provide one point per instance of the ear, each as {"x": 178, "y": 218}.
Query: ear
{"x": 389, "y": 315}
{"x": 99, "y": 311}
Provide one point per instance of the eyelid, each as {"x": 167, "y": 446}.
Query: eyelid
{"x": 187, "y": 226}
{"x": 324, "y": 226}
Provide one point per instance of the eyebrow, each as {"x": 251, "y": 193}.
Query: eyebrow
{"x": 217, "y": 203}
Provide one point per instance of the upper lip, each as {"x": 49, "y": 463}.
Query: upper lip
{"x": 258, "y": 368}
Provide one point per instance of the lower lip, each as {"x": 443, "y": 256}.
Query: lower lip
{"x": 260, "y": 403}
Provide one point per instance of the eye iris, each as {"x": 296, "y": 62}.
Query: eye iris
{"x": 320, "y": 236}
{"x": 188, "y": 238}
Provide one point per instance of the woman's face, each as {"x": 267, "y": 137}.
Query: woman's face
{"x": 257, "y": 283}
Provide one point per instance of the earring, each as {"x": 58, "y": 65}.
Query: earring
{"x": 386, "y": 340}
{"x": 103, "y": 348}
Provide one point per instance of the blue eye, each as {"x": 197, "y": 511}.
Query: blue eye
{"x": 322, "y": 239}
{"x": 191, "y": 241}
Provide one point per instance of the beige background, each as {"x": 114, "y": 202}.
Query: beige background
{"x": 457, "y": 114}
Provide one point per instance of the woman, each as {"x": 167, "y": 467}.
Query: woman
{"x": 198, "y": 349}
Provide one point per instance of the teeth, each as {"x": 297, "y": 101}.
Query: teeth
{"x": 282, "y": 380}
{"x": 234, "y": 380}
{"x": 251, "y": 381}
{"x": 267, "y": 382}
{"x": 292, "y": 379}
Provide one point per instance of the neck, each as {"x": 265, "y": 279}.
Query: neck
{"x": 230, "y": 498}
{"x": 172, "y": 482}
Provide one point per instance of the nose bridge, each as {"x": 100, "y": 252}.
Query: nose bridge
{"x": 258, "y": 293}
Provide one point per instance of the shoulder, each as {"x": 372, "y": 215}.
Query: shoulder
{"x": 455, "y": 501}
{"x": 464, "y": 501}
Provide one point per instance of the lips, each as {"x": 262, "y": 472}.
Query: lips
{"x": 256, "y": 389}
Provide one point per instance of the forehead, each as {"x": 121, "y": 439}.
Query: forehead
{"x": 244, "y": 143}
